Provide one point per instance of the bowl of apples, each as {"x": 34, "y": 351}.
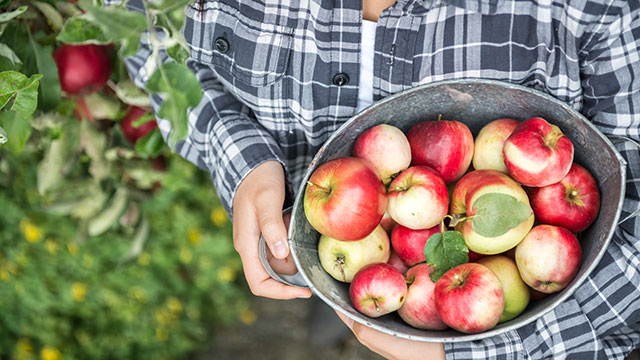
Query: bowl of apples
{"x": 456, "y": 210}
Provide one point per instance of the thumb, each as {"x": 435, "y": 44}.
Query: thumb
{"x": 272, "y": 226}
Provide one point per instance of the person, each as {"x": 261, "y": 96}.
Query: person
{"x": 279, "y": 77}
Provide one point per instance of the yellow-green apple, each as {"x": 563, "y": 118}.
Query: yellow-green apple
{"x": 409, "y": 243}
{"x": 419, "y": 308}
{"x": 343, "y": 259}
{"x": 489, "y": 142}
{"x": 344, "y": 199}
{"x": 516, "y": 292}
{"x": 377, "y": 289}
{"x": 387, "y": 149}
{"x": 418, "y": 198}
{"x": 469, "y": 298}
{"x": 387, "y": 222}
{"x": 468, "y": 196}
{"x": 396, "y": 262}
{"x": 548, "y": 258}
{"x": 537, "y": 153}
{"x": 446, "y": 146}
{"x": 573, "y": 202}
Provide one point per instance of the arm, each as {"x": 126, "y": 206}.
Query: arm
{"x": 245, "y": 162}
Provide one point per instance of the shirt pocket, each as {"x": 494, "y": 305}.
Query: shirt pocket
{"x": 240, "y": 49}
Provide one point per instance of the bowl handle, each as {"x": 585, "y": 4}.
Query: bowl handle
{"x": 617, "y": 139}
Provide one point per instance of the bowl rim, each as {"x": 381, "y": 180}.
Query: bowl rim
{"x": 561, "y": 296}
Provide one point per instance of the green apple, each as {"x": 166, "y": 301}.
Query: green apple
{"x": 516, "y": 292}
{"x": 343, "y": 259}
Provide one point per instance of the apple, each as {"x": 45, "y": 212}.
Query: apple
{"x": 343, "y": 259}
{"x": 387, "y": 149}
{"x": 474, "y": 256}
{"x": 573, "y": 202}
{"x": 489, "y": 142}
{"x": 463, "y": 204}
{"x": 131, "y": 132}
{"x": 469, "y": 298}
{"x": 516, "y": 292}
{"x": 548, "y": 258}
{"x": 387, "y": 222}
{"x": 409, "y": 243}
{"x": 537, "y": 153}
{"x": 446, "y": 146}
{"x": 419, "y": 308}
{"x": 82, "y": 68}
{"x": 396, "y": 262}
{"x": 377, "y": 289}
{"x": 418, "y": 198}
{"x": 344, "y": 199}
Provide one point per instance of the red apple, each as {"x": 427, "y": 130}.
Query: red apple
{"x": 548, "y": 258}
{"x": 469, "y": 298}
{"x": 386, "y": 148}
{"x": 468, "y": 190}
{"x": 474, "y": 256}
{"x": 344, "y": 199}
{"x": 82, "y": 68}
{"x": 378, "y": 289}
{"x": 446, "y": 146}
{"x": 419, "y": 308}
{"x": 409, "y": 243}
{"x": 537, "y": 153}
{"x": 387, "y": 222}
{"x": 489, "y": 142}
{"x": 572, "y": 203}
{"x": 396, "y": 262}
{"x": 418, "y": 198}
{"x": 131, "y": 132}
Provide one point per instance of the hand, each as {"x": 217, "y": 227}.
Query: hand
{"x": 257, "y": 208}
{"x": 392, "y": 347}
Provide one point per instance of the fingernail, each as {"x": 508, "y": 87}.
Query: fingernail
{"x": 280, "y": 249}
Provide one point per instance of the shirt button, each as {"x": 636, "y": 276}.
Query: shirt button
{"x": 340, "y": 79}
{"x": 222, "y": 45}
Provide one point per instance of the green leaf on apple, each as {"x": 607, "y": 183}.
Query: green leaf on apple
{"x": 445, "y": 251}
{"x": 496, "y": 213}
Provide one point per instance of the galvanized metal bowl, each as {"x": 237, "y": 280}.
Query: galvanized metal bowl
{"x": 475, "y": 103}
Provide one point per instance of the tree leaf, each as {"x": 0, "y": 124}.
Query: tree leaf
{"x": 3, "y": 136}
{"x": 178, "y": 53}
{"x": 445, "y": 251}
{"x": 20, "y": 91}
{"x": 78, "y": 30}
{"x": 151, "y": 144}
{"x": 103, "y": 107}
{"x": 94, "y": 144}
{"x": 496, "y": 213}
{"x": 130, "y": 94}
{"x": 137, "y": 245}
{"x": 51, "y": 13}
{"x": 110, "y": 215}
{"x": 50, "y": 174}
{"x": 12, "y": 14}
{"x": 50, "y": 84}
{"x": 7, "y": 52}
{"x": 18, "y": 129}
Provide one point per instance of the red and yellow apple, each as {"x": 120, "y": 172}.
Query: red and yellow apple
{"x": 396, "y": 262}
{"x": 489, "y": 142}
{"x": 387, "y": 149}
{"x": 409, "y": 243}
{"x": 537, "y": 153}
{"x": 573, "y": 202}
{"x": 344, "y": 199}
{"x": 418, "y": 198}
{"x": 446, "y": 146}
{"x": 548, "y": 258}
{"x": 377, "y": 289}
{"x": 419, "y": 308}
{"x": 469, "y": 298}
{"x": 516, "y": 292}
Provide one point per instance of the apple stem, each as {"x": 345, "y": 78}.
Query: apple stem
{"x": 319, "y": 187}
{"x": 340, "y": 264}
{"x": 375, "y": 302}
{"x": 439, "y": 117}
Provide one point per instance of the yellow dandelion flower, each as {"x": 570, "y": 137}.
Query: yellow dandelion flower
{"x": 226, "y": 274}
{"x": 162, "y": 333}
{"x": 138, "y": 294}
{"x": 186, "y": 256}
{"x": 24, "y": 348}
{"x": 144, "y": 259}
{"x": 4, "y": 275}
{"x": 248, "y": 317}
{"x": 174, "y": 305}
{"x": 51, "y": 246}
{"x": 31, "y": 232}
{"x": 73, "y": 248}
{"x": 50, "y": 353}
{"x": 162, "y": 316}
{"x": 78, "y": 291}
{"x": 219, "y": 216}
{"x": 194, "y": 236}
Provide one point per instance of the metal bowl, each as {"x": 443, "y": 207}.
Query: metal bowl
{"x": 475, "y": 103}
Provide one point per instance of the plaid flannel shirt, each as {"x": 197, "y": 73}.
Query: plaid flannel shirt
{"x": 280, "y": 76}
